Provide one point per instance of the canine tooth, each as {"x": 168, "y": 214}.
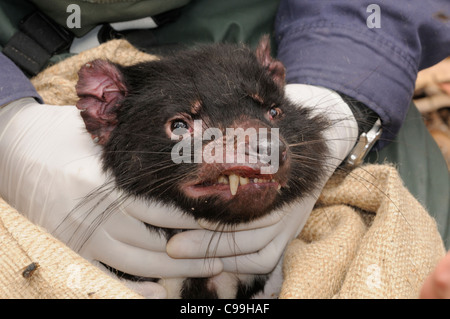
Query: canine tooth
{"x": 279, "y": 186}
{"x": 234, "y": 183}
{"x": 243, "y": 180}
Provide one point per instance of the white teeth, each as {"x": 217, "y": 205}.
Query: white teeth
{"x": 243, "y": 180}
{"x": 234, "y": 183}
{"x": 235, "y": 180}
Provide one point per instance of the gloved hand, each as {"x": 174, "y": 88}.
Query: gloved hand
{"x": 260, "y": 244}
{"x": 48, "y": 164}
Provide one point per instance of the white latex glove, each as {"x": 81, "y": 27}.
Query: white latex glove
{"x": 48, "y": 164}
{"x": 260, "y": 244}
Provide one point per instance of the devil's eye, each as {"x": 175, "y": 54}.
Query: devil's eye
{"x": 274, "y": 112}
{"x": 178, "y": 124}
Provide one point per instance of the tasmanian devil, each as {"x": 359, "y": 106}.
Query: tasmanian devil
{"x": 151, "y": 119}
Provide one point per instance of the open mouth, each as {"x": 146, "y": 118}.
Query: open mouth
{"x": 234, "y": 181}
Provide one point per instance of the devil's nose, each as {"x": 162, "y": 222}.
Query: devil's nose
{"x": 268, "y": 146}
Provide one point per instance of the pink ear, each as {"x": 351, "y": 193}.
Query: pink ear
{"x": 274, "y": 67}
{"x": 101, "y": 90}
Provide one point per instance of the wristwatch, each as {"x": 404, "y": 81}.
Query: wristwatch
{"x": 364, "y": 145}
{"x": 369, "y": 130}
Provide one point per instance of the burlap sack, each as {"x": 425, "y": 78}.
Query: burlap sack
{"x": 368, "y": 239}
{"x": 61, "y": 273}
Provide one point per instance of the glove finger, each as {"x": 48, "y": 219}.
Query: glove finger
{"x": 140, "y": 262}
{"x": 160, "y": 215}
{"x": 262, "y": 262}
{"x": 129, "y": 230}
{"x": 201, "y": 243}
{"x": 265, "y": 221}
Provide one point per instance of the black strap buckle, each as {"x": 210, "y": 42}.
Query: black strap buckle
{"x": 37, "y": 40}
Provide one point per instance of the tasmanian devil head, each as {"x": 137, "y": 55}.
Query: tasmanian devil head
{"x": 208, "y": 130}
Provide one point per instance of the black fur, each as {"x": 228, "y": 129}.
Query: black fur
{"x": 197, "y": 288}
{"x": 248, "y": 290}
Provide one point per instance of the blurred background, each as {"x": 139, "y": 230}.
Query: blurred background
{"x": 432, "y": 98}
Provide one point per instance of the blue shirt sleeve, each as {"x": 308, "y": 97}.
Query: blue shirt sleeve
{"x": 329, "y": 43}
{"x": 14, "y": 84}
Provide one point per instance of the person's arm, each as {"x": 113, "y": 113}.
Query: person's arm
{"x": 330, "y": 44}
{"x": 14, "y": 84}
